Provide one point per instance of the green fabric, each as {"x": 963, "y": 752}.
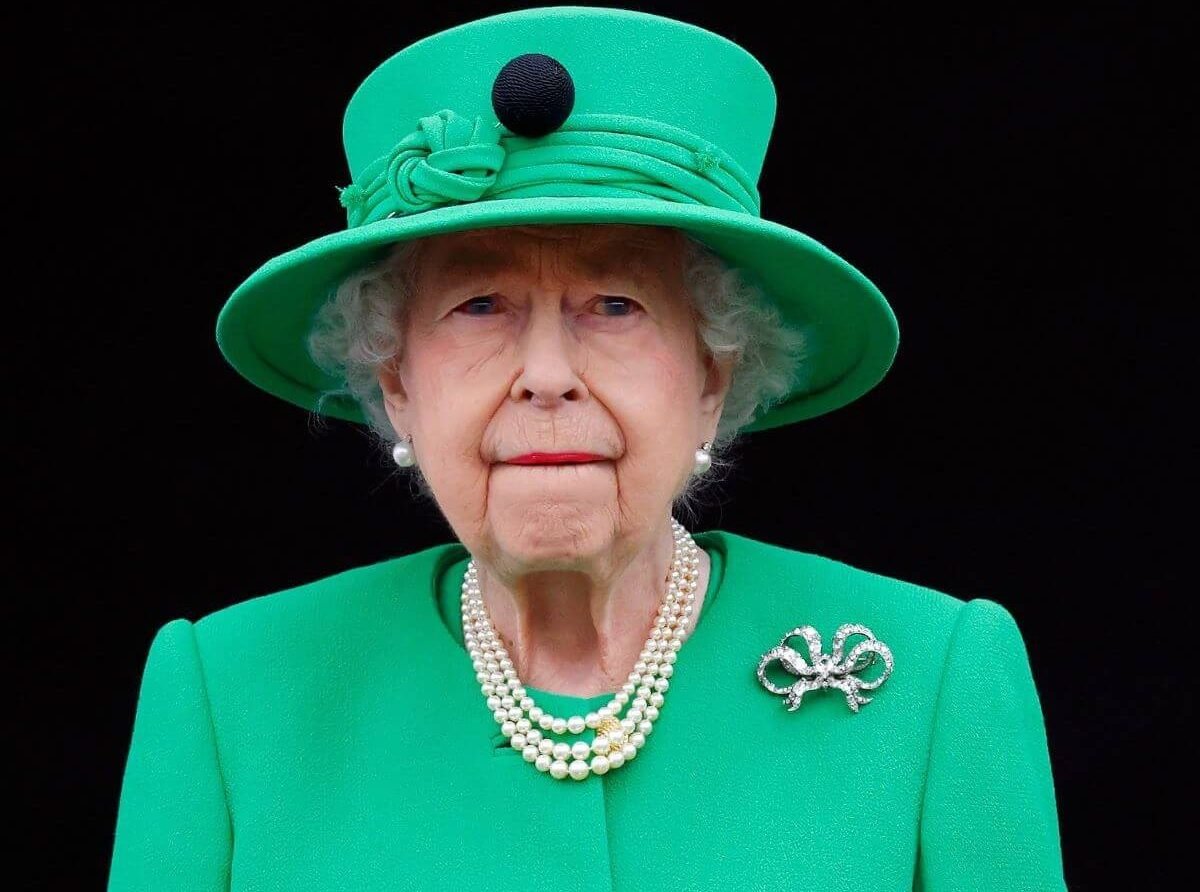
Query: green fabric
{"x": 452, "y": 158}
{"x": 333, "y": 736}
{"x": 676, "y": 134}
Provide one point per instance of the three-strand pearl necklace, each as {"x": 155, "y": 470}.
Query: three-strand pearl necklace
{"x": 617, "y": 740}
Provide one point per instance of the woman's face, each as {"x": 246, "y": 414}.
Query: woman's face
{"x": 576, "y": 340}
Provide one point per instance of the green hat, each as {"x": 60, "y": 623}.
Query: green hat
{"x": 565, "y": 114}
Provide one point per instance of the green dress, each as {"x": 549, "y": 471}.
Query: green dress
{"x": 332, "y": 736}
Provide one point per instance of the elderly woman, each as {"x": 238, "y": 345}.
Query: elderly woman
{"x": 576, "y": 686}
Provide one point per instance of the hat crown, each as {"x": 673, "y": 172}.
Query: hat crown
{"x": 621, "y": 62}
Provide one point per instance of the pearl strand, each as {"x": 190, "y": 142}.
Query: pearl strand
{"x": 617, "y": 740}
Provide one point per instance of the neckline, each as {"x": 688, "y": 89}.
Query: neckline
{"x": 447, "y": 594}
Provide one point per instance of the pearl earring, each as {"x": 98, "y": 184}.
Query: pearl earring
{"x": 703, "y": 458}
{"x": 403, "y": 453}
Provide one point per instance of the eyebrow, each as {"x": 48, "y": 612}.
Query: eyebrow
{"x": 471, "y": 263}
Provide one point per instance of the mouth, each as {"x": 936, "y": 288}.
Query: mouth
{"x": 555, "y": 458}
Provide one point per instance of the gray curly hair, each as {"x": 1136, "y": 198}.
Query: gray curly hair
{"x": 357, "y": 330}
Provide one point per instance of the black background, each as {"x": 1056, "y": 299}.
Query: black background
{"x": 1011, "y": 182}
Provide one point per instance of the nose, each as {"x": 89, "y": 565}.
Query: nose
{"x": 549, "y": 359}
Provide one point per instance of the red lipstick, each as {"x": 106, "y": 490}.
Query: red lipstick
{"x": 555, "y": 458}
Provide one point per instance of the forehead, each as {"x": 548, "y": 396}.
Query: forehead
{"x": 592, "y": 251}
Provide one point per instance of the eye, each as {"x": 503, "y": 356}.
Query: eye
{"x": 484, "y": 305}
{"x": 616, "y": 306}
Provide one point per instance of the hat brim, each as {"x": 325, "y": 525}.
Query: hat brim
{"x": 853, "y": 334}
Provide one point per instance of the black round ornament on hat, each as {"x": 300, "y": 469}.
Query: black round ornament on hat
{"x": 533, "y": 94}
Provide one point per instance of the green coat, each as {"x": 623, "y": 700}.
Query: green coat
{"x": 333, "y": 736}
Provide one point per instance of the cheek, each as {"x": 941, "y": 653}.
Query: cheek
{"x": 657, "y": 388}
{"x": 453, "y": 395}
{"x": 455, "y": 369}
{"x": 652, "y": 392}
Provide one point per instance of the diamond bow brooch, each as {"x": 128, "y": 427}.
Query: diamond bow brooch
{"x": 827, "y": 670}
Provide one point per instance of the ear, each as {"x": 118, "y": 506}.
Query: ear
{"x": 718, "y": 376}
{"x": 395, "y": 397}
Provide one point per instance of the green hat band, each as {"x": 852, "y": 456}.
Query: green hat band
{"x": 451, "y": 159}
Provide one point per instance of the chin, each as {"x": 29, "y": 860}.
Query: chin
{"x": 555, "y": 537}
